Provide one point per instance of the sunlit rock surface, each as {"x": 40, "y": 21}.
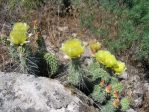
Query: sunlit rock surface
{"x": 27, "y": 93}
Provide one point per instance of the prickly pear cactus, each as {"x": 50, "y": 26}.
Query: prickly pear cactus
{"x": 98, "y": 95}
{"x": 96, "y": 72}
{"x": 108, "y": 107}
{"x": 108, "y": 91}
{"x": 74, "y": 73}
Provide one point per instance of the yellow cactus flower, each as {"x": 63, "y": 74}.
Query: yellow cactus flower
{"x": 94, "y": 46}
{"x": 110, "y": 61}
{"x": 72, "y": 48}
{"x": 101, "y": 55}
{"x": 20, "y": 27}
{"x": 119, "y": 67}
{"x": 106, "y": 58}
{"x": 18, "y": 34}
{"x": 18, "y": 38}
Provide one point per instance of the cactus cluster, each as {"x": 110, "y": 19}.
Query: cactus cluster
{"x": 20, "y": 49}
{"x": 102, "y": 73}
{"x": 73, "y": 48}
{"x": 107, "y": 92}
{"x": 27, "y": 59}
{"x": 106, "y": 87}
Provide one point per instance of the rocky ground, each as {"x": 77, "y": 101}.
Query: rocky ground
{"x": 137, "y": 89}
{"x": 27, "y": 93}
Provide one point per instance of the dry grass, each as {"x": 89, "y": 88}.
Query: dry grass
{"x": 4, "y": 55}
{"x": 4, "y": 58}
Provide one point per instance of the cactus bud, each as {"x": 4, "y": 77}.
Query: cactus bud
{"x": 94, "y": 46}
{"x": 109, "y": 89}
{"x": 102, "y": 83}
{"x": 116, "y": 94}
{"x": 116, "y": 103}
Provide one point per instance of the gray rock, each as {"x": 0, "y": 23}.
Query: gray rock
{"x": 27, "y": 93}
{"x": 134, "y": 78}
{"x": 87, "y": 52}
{"x": 131, "y": 110}
{"x": 134, "y": 88}
{"x": 146, "y": 87}
{"x": 124, "y": 75}
{"x": 138, "y": 102}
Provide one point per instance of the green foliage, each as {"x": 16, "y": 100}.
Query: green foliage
{"x": 86, "y": 20}
{"x": 132, "y": 18}
{"x": 52, "y": 63}
{"x": 132, "y": 25}
{"x": 127, "y": 35}
{"x": 143, "y": 50}
{"x": 98, "y": 73}
{"x": 109, "y": 4}
{"x": 76, "y": 2}
{"x": 125, "y": 104}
